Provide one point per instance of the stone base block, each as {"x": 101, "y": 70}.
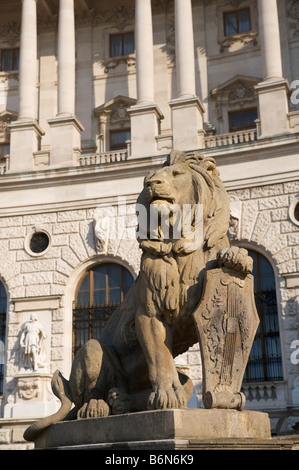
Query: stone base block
{"x": 65, "y": 146}
{"x": 145, "y": 126}
{"x": 163, "y": 427}
{"x": 187, "y": 123}
{"x": 32, "y": 397}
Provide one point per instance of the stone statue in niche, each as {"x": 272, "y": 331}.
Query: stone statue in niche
{"x": 31, "y": 344}
{"x": 192, "y": 287}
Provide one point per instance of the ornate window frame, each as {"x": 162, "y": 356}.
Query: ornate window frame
{"x": 112, "y": 116}
{"x": 236, "y": 94}
{"x": 112, "y": 64}
{"x": 237, "y": 41}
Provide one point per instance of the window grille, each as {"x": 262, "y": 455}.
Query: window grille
{"x": 100, "y": 291}
{"x": 265, "y": 360}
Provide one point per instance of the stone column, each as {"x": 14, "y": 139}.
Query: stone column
{"x": 270, "y": 39}
{"x": 66, "y": 58}
{"x": 144, "y": 52}
{"x": 273, "y": 91}
{"x": 28, "y": 65}
{"x": 145, "y": 115}
{"x": 25, "y": 132}
{"x": 66, "y": 130}
{"x": 187, "y": 109}
{"x": 184, "y": 44}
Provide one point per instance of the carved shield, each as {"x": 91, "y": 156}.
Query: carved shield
{"x": 226, "y": 320}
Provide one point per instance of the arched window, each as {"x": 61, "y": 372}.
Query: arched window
{"x": 265, "y": 362}
{"x": 99, "y": 292}
{"x": 3, "y": 307}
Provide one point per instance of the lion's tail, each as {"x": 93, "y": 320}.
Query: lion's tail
{"x": 61, "y": 389}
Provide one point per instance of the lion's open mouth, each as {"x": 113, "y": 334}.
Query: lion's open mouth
{"x": 161, "y": 200}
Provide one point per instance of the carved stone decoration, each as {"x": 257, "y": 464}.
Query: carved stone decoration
{"x": 120, "y": 115}
{"x": 241, "y": 39}
{"x": 31, "y": 396}
{"x": 112, "y": 115}
{"x": 191, "y": 287}
{"x": 6, "y": 117}
{"x": 11, "y": 32}
{"x": 128, "y": 61}
{"x": 238, "y": 92}
{"x": 234, "y": 221}
{"x": 226, "y": 321}
{"x": 28, "y": 389}
{"x": 103, "y": 227}
{"x": 120, "y": 17}
{"x": 293, "y": 18}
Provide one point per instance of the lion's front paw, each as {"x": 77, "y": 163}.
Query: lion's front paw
{"x": 236, "y": 258}
{"x": 167, "y": 398}
{"x": 93, "y": 409}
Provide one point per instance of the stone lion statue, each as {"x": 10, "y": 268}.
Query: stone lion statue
{"x": 131, "y": 368}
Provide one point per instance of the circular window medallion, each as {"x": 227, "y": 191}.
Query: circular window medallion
{"x": 37, "y": 243}
{"x": 294, "y": 210}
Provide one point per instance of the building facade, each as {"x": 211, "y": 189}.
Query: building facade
{"x": 93, "y": 95}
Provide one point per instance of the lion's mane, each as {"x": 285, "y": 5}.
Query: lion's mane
{"x": 171, "y": 274}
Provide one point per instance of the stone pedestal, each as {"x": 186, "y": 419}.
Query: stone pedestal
{"x": 32, "y": 397}
{"x": 187, "y": 123}
{"x": 65, "y": 145}
{"x": 25, "y": 138}
{"x": 273, "y": 101}
{"x": 156, "y": 429}
{"x": 145, "y": 127}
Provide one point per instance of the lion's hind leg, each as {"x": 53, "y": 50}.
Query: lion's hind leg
{"x": 85, "y": 381}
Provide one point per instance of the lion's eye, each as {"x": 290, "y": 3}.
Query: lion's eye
{"x": 177, "y": 172}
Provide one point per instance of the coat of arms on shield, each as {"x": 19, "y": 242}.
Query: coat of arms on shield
{"x": 226, "y": 320}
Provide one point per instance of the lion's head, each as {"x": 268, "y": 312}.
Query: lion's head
{"x": 186, "y": 181}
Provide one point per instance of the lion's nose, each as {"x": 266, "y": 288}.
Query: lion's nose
{"x": 154, "y": 181}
